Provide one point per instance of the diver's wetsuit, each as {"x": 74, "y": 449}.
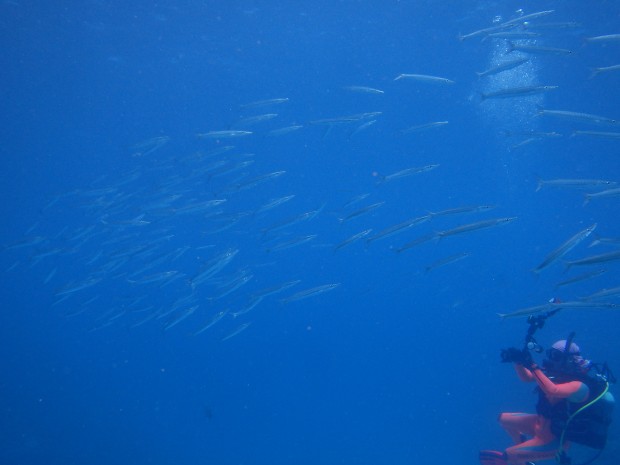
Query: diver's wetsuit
{"x": 543, "y": 444}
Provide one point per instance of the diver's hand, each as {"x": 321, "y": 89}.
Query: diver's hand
{"x": 519, "y": 356}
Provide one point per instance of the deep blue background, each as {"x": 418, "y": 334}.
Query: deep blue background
{"x": 397, "y": 364}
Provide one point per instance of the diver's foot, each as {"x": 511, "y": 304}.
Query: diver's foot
{"x": 492, "y": 457}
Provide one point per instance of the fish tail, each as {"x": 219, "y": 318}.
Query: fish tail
{"x": 539, "y": 183}
{"x": 539, "y": 110}
{"x": 586, "y": 199}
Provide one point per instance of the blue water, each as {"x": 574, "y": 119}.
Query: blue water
{"x": 105, "y": 179}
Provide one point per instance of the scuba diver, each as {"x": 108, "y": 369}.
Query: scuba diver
{"x": 574, "y": 403}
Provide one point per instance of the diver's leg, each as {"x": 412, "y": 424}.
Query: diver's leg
{"x": 518, "y": 424}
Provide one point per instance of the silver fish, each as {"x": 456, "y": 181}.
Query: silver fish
{"x": 465, "y": 209}
{"x": 581, "y": 277}
{"x": 447, "y": 260}
{"x": 615, "y": 192}
{"x": 503, "y": 67}
{"x": 252, "y": 120}
{"x": 418, "y": 241}
{"x": 475, "y": 226}
{"x": 424, "y": 78}
{"x": 310, "y": 292}
{"x": 573, "y": 183}
{"x": 217, "y": 317}
{"x": 397, "y": 228}
{"x": 605, "y": 38}
{"x": 352, "y": 239}
{"x": 558, "y": 306}
{"x": 603, "y": 293}
{"x": 423, "y": 127}
{"x": 364, "y": 90}
{"x": 175, "y": 321}
{"x": 528, "y": 17}
{"x": 602, "y": 134}
{"x": 294, "y": 220}
{"x": 254, "y": 301}
{"x": 516, "y": 92}
{"x": 274, "y": 203}
{"x": 361, "y": 211}
{"x": 578, "y": 116}
{"x": 236, "y": 331}
{"x": 285, "y": 130}
{"x": 595, "y": 259}
{"x": 223, "y": 134}
{"x": 536, "y": 49}
{"x": 566, "y": 247}
{"x": 275, "y": 289}
{"x": 148, "y": 146}
{"x": 291, "y": 243}
{"x": 262, "y": 103}
{"x": 603, "y": 69}
{"x": 407, "y": 172}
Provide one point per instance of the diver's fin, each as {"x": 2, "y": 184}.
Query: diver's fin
{"x": 492, "y": 457}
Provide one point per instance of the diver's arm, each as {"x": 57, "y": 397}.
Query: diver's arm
{"x": 575, "y": 391}
{"x": 523, "y": 373}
